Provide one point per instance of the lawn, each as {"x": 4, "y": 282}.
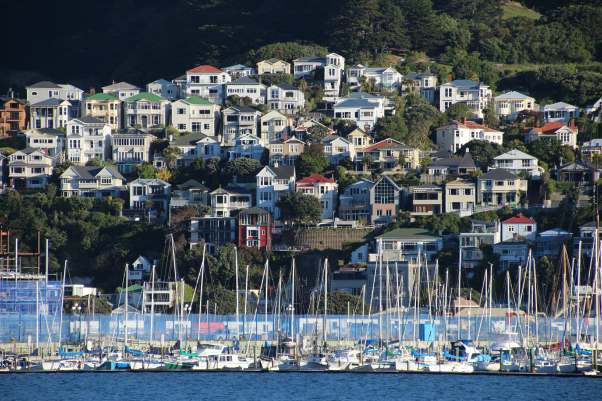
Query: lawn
{"x": 515, "y": 9}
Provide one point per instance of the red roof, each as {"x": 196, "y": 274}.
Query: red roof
{"x": 315, "y": 178}
{"x": 472, "y": 125}
{"x": 520, "y": 219}
{"x": 205, "y": 69}
{"x": 382, "y": 144}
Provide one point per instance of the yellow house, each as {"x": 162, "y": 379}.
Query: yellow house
{"x": 105, "y": 107}
{"x": 273, "y": 66}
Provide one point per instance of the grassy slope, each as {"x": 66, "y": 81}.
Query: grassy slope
{"x": 514, "y": 9}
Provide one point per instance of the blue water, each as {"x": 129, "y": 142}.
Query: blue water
{"x": 290, "y": 387}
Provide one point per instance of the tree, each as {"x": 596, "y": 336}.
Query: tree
{"x": 459, "y": 111}
{"x": 311, "y": 161}
{"x": 244, "y": 168}
{"x": 482, "y": 152}
{"x": 300, "y": 209}
{"x": 171, "y": 155}
{"x": 146, "y": 170}
{"x": 286, "y": 51}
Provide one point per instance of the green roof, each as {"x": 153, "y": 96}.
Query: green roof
{"x": 409, "y": 234}
{"x": 198, "y": 100}
{"x": 145, "y": 96}
{"x": 102, "y": 96}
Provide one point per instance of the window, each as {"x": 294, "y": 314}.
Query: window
{"x": 180, "y": 110}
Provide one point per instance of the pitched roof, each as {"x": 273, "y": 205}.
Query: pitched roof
{"x": 309, "y": 59}
{"x": 192, "y": 184}
{"x": 283, "y": 172}
{"x": 550, "y": 128}
{"x": 197, "y": 100}
{"x": 236, "y": 67}
{"x": 465, "y": 161}
{"x": 315, "y": 178}
{"x": 512, "y": 95}
{"x": 118, "y": 86}
{"x": 388, "y": 143}
{"x": 559, "y": 105}
{"x": 244, "y": 81}
{"x": 150, "y": 181}
{"x": 253, "y": 210}
{"x": 89, "y": 120}
{"x": 89, "y": 172}
{"x": 151, "y": 97}
{"x": 409, "y": 234}
{"x": 188, "y": 139}
{"x": 464, "y": 83}
{"x": 513, "y": 155}
{"x": 520, "y": 219}
{"x": 471, "y": 125}
{"x": 204, "y": 69}
{"x": 498, "y": 174}
{"x": 51, "y": 102}
{"x": 287, "y": 87}
{"x": 44, "y": 85}
{"x": 273, "y": 61}
{"x": 102, "y": 97}
{"x": 243, "y": 109}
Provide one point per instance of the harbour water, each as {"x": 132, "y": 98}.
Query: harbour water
{"x": 291, "y": 386}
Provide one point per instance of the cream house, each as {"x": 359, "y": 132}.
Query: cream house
{"x": 274, "y": 126}
{"x": 284, "y": 152}
{"x": 499, "y": 188}
{"x": 105, "y": 107}
{"x": 145, "y": 111}
{"x": 29, "y": 168}
{"x": 273, "y": 66}
{"x": 460, "y": 196}
{"x": 195, "y": 114}
{"x": 92, "y": 182}
{"x": 509, "y": 104}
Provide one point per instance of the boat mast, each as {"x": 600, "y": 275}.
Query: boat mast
{"x": 127, "y": 279}
{"x": 244, "y": 323}
{"x": 236, "y": 278}
{"x": 325, "y": 324}
{"x": 293, "y": 302}
{"x": 152, "y": 316}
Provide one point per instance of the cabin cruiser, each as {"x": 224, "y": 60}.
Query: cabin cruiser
{"x": 344, "y": 359}
{"x": 213, "y": 356}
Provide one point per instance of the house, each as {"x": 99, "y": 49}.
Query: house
{"x": 388, "y": 154}
{"x": 519, "y": 227}
{"x": 195, "y": 114}
{"x": 215, "y": 232}
{"x": 349, "y": 278}
{"x": 51, "y": 113}
{"x": 549, "y": 243}
{"x": 195, "y": 146}
{"x": 404, "y": 249}
{"x": 426, "y": 200}
{"x": 246, "y": 145}
{"x": 360, "y": 139}
{"x": 121, "y": 90}
{"x": 163, "y": 88}
{"x": 565, "y": 134}
{"x": 333, "y": 66}
{"x": 224, "y": 202}
{"x": 423, "y": 83}
{"x": 460, "y": 196}
{"x": 337, "y": 148}
{"x": 189, "y": 193}
{"x": 150, "y": 196}
{"x": 237, "y": 121}
{"x": 325, "y": 189}
{"x": 255, "y": 228}
{"x": 140, "y": 269}
{"x": 499, "y": 188}
{"x": 246, "y": 87}
{"x": 50, "y": 141}
{"x": 239, "y": 70}
{"x": 456, "y": 134}
{"x": 354, "y": 201}
{"x": 145, "y": 111}
{"x": 131, "y": 148}
{"x": 45, "y": 90}
{"x": 273, "y": 66}
{"x": 511, "y": 254}
{"x": 274, "y": 126}
{"x": 305, "y": 126}
{"x": 208, "y": 82}
{"x": 560, "y": 112}
{"x": 88, "y": 138}
{"x": 384, "y": 201}
{"x": 508, "y": 105}
{"x": 475, "y": 94}
{"x": 29, "y": 168}
{"x": 92, "y": 182}
{"x": 442, "y": 168}
{"x": 386, "y": 78}
{"x": 13, "y": 116}
{"x": 104, "y": 107}
{"x": 284, "y": 152}
{"x": 271, "y": 185}
{"x": 591, "y": 148}
{"x": 584, "y": 240}
{"x": 581, "y": 173}
{"x": 516, "y": 161}
{"x": 363, "y": 109}
{"x": 285, "y": 98}
{"x": 482, "y": 233}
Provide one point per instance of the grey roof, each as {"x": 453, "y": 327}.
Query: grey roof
{"x": 192, "y": 184}
{"x": 409, "y": 234}
{"x": 418, "y": 75}
{"x": 498, "y": 174}
{"x": 44, "y": 85}
{"x": 50, "y": 131}
{"x": 310, "y": 59}
{"x": 244, "y": 109}
{"x": 236, "y": 67}
{"x": 119, "y": 86}
{"x": 513, "y": 155}
{"x": 244, "y": 81}
{"x": 465, "y": 83}
{"x": 188, "y": 139}
{"x": 52, "y": 102}
{"x": 287, "y": 87}
{"x": 512, "y": 95}
{"x": 90, "y": 172}
{"x": 90, "y": 120}
{"x": 559, "y": 106}
{"x": 254, "y": 210}
{"x": 284, "y": 172}
{"x": 466, "y": 161}
{"x": 356, "y": 103}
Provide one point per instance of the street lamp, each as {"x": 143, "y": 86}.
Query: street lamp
{"x": 77, "y": 308}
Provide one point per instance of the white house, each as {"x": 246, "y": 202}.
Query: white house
{"x": 565, "y": 134}
{"x": 88, "y": 138}
{"x": 151, "y": 195}
{"x": 163, "y": 88}
{"x": 145, "y": 111}
{"x": 92, "y": 182}
{"x": 337, "y": 148}
{"x": 29, "y": 168}
{"x": 362, "y": 108}
{"x": 50, "y": 141}
{"x": 508, "y": 105}
{"x": 516, "y": 161}
{"x": 475, "y": 94}
{"x": 195, "y": 146}
{"x": 285, "y": 98}
{"x": 237, "y": 121}
{"x": 560, "y": 111}
{"x": 195, "y": 114}
{"x": 325, "y": 189}
{"x": 333, "y": 65}
{"x": 519, "y": 227}
{"x": 139, "y": 269}
{"x": 273, "y": 183}
{"x": 52, "y": 113}
{"x": 387, "y": 78}
{"x": 246, "y": 145}
{"x": 245, "y": 87}
{"x": 224, "y": 202}
{"x": 207, "y": 81}
{"x": 121, "y": 90}
{"x": 454, "y": 135}
{"x": 45, "y": 90}
{"x": 274, "y": 126}
{"x": 239, "y": 70}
